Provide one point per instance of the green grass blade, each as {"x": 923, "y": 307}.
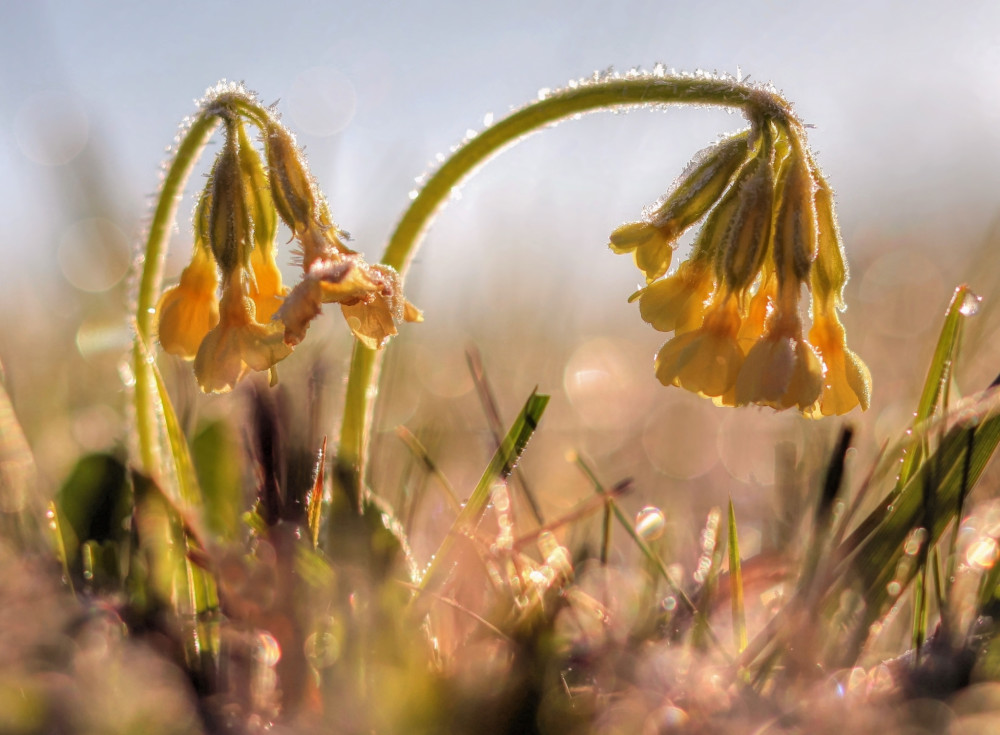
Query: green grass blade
{"x": 710, "y": 585}
{"x": 57, "y": 527}
{"x": 217, "y": 457}
{"x": 938, "y": 374}
{"x": 957, "y": 464}
{"x": 736, "y": 584}
{"x": 194, "y": 585}
{"x": 606, "y": 522}
{"x": 499, "y": 468}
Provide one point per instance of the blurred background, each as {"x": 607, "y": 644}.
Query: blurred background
{"x": 903, "y": 97}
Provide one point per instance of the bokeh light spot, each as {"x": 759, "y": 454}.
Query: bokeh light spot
{"x": 678, "y": 440}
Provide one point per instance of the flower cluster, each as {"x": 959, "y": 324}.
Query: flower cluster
{"x": 769, "y": 235}
{"x": 257, "y": 321}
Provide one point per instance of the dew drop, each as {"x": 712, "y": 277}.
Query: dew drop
{"x": 970, "y": 304}
{"x": 650, "y": 522}
{"x": 894, "y": 588}
{"x": 544, "y": 93}
{"x": 322, "y": 649}
{"x": 413, "y": 194}
{"x": 982, "y": 553}
{"x": 267, "y": 651}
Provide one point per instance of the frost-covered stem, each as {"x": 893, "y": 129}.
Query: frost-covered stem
{"x": 603, "y": 94}
{"x": 151, "y": 279}
{"x": 192, "y": 143}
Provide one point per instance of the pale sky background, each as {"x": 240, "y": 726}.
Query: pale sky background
{"x": 904, "y": 97}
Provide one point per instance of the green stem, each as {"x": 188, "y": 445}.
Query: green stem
{"x": 151, "y": 279}
{"x": 225, "y": 103}
{"x": 588, "y": 96}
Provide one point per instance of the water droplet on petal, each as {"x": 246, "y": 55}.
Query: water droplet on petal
{"x": 650, "y": 522}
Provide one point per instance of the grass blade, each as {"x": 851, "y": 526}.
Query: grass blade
{"x": 193, "y": 584}
{"x": 714, "y": 549}
{"x": 736, "y": 584}
{"x": 956, "y": 465}
{"x": 492, "y": 411}
{"x": 499, "y": 468}
{"x": 939, "y": 374}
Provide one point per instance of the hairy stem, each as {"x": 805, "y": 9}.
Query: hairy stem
{"x": 214, "y": 108}
{"x": 151, "y": 279}
{"x": 604, "y": 94}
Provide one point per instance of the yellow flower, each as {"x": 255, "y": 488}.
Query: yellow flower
{"x": 652, "y": 247}
{"x": 677, "y": 303}
{"x": 848, "y": 382}
{"x": 708, "y": 359}
{"x": 782, "y": 370}
{"x": 761, "y": 305}
{"x": 190, "y": 309}
{"x": 371, "y": 298}
{"x": 266, "y": 289}
{"x": 238, "y": 343}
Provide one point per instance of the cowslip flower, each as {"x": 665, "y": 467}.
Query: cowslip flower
{"x": 706, "y": 360}
{"x": 769, "y": 235}
{"x": 758, "y": 310}
{"x": 781, "y": 370}
{"x": 188, "y": 311}
{"x": 370, "y": 297}
{"x": 266, "y": 288}
{"x": 847, "y": 382}
{"x": 677, "y": 303}
{"x": 238, "y": 343}
{"x": 697, "y": 190}
{"x": 652, "y": 248}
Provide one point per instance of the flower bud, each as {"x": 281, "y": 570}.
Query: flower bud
{"x": 258, "y": 192}
{"x": 745, "y": 242}
{"x": 230, "y": 228}
{"x": 291, "y": 184}
{"x": 701, "y": 185}
{"x": 795, "y": 228}
{"x": 829, "y": 272}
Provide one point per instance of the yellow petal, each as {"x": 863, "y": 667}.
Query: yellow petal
{"x": 847, "y": 382}
{"x": 706, "y": 360}
{"x": 186, "y": 312}
{"x": 266, "y": 290}
{"x": 677, "y": 303}
{"x": 238, "y": 343}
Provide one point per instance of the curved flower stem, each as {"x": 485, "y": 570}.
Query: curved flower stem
{"x": 602, "y": 94}
{"x": 151, "y": 279}
{"x": 213, "y": 109}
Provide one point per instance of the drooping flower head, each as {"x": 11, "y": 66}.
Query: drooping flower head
{"x": 258, "y": 321}
{"x": 769, "y": 234}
